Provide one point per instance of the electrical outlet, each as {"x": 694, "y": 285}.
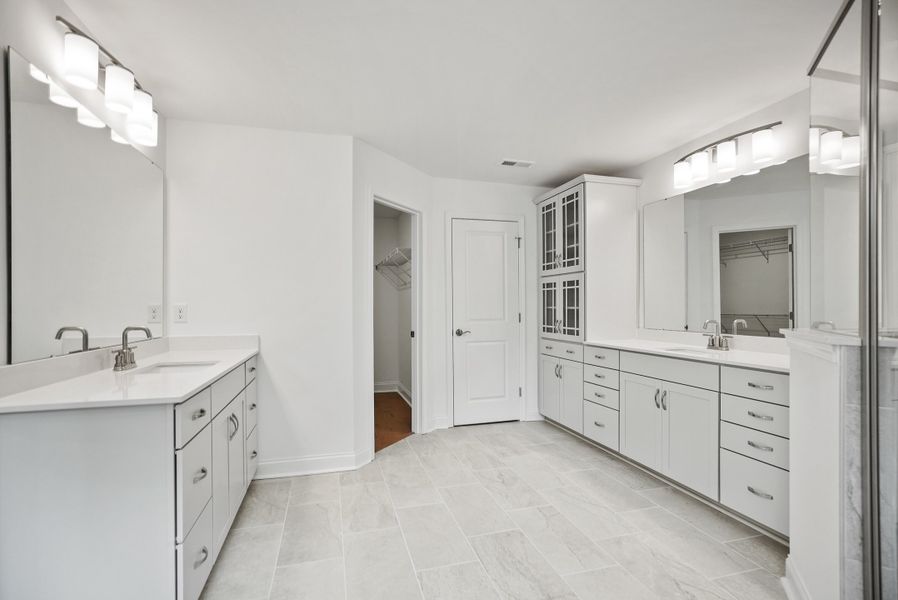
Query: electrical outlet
{"x": 180, "y": 311}
{"x": 154, "y": 313}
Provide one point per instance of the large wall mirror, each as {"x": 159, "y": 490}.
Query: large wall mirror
{"x": 85, "y": 227}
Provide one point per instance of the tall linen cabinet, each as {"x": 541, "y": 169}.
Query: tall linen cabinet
{"x": 588, "y": 283}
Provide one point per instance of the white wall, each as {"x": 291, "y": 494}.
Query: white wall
{"x": 260, "y": 242}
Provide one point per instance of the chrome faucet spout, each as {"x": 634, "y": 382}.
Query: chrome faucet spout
{"x": 85, "y": 343}
{"x": 124, "y": 358}
{"x": 715, "y": 340}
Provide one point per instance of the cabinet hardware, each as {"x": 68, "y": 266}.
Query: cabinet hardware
{"x": 204, "y": 553}
{"x": 664, "y": 400}
{"x": 198, "y": 414}
{"x": 598, "y": 395}
{"x": 253, "y": 369}
{"x": 200, "y": 475}
{"x": 763, "y": 495}
{"x": 569, "y": 351}
{"x": 236, "y": 423}
{"x": 459, "y": 332}
{"x": 252, "y": 406}
{"x": 755, "y": 415}
{"x": 657, "y": 403}
{"x": 758, "y": 446}
{"x": 254, "y": 454}
{"x": 598, "y": 376}
{"x": 556, "y": 370}
{"x": 561, "y": 371}
{"x": 597, "y": 424}
{"x": 598, "y": 356}
{"x": 549, "y": 347}
{"x": 759, "y": 386}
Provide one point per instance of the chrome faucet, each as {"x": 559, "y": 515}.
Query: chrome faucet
{"x": 124, "y": 358}
{"x": 737, "y": 323}
{"x": 715, "y": 340}
{"x": 85, "y": 344}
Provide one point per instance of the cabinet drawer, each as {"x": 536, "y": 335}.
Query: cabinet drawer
{"x": 252, "y": 455}
{"x": 601, "y": 425}
{"x": 761, "y": 446}
{"x": 601, "y": 395}
{"x": 226, "y": 389}
{"x": 601, "y": 357}
{"x": 755, "y": 489}
{"x": 194, "y": 557}
{"x": 601, "y": 376}
{"x": 771, "y": 418}
{"x": 191, "y": 416}
{"x": 760, "y": 385}
{"x": 193, "y": 465}
{"x": 687, "y": 372}
{"x": 567, "y": 350}
{"x": 251, "y": 367}
{"x": 252, "y": 409}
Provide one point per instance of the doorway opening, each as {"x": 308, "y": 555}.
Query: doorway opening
{"x": 394, "y": 237}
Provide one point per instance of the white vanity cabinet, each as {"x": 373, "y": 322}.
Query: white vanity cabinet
{"x": 561, "y": 232}
{"x": 561, "y": 391}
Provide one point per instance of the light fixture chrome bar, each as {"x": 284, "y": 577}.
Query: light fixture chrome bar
{"x": 731, "y": 137}
{"x": 830, "y": 34}
{"x": 112, "y": 59}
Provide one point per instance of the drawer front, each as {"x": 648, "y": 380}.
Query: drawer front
{"x": 601, "y": 376}
{"x": 755, "y": 489}
{"x": 191, "y": 416}
{"x": 601, "y": 424}
{"x": 252, "y": 409}
{"x": 193, "y": 465}
{"x": 760, "y": 385}
{"x": 252, "y": 455}
{"x": 601, "y": 395}
{"x": 194, "y": 557}
{"x": 226, "y": 389}
{"x": 601, "y": 357}
{"x": 567, "y": 350}
{"x": 771, "y": 418}
{"x": 765, "y": 447}
{"x": 251, "y": 368}
{"x": 687, "y": 372}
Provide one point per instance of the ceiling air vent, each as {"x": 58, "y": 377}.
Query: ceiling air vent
{"x": 508, "y": 162}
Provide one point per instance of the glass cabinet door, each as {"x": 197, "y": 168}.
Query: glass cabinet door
{"x": 571, "y": 301}
{"x": 549, "y": 234}
{"x": 571, "y": 207}
{"x": 561, "y": 309}
{"x": 549, "y": 324}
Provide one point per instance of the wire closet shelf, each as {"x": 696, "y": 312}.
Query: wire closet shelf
{"x": 396, "y": 267}
{"x": 754, "y": 248}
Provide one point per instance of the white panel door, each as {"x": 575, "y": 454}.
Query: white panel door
{"x": 691, "y": 436}
{"x": 641, "y": 420}
{"x": 486, "y": 332}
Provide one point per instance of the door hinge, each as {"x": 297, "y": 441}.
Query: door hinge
{"x": 519, "y": 317}
{"x": 518, "y": 238}
{"x": 520, "y": 392}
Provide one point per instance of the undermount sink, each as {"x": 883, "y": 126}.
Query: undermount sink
{"x": 692, "y": 351}
{"x": 175, "y": 367}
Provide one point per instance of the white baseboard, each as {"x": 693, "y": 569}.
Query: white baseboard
{"x": 793, "y": 584}
{"x": 533, "y": 417}
{"x": 440, "y": 423}
{"x": 309, "y": 465}
{"x": 385, "y": 386}
{"x": 404, "y": 393}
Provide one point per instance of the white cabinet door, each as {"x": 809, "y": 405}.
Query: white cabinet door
{"x": 691, "y": 438}
{"x": 571, "y": 395}
{"x": 548, "y": 233}
{"x": 221, "y": 508}
{"x": 236, "y": 454}
{"x": 641, "y": 420}
{"x": 549, "y": 387}
{"x": 561, "y": 307}
{"x": 570, "y": 211}
{"x": 549, "y": 310}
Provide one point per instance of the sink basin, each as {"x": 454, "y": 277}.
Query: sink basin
{"x": 175, "y": 367}
{"x": 691, "y": 351}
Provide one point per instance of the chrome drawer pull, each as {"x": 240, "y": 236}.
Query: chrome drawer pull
{"x": 759, "y": 494}
{"x": 205, "y": 555}
{"x": 252, "y": 406}
{"x": 198, "y": 414}
{"x": 200, "y": 475}
{"x": 254, "y": 454}
{"x": 549, "y": 347}
{"x": 752, "y": 413}
{"x": 252, "y": 369}
{"x": 664, "y": 400}
{"x": 657, "y": 404}
{"x": 758, "y": 446}
{"x": 599, "y": 356}
{"x": 597, "y": 424}
{"x": 597, "y": 376}
{"x": 569, "y": 351}
{"x": 598, "y": 395}
{"x": 758, "y": 386}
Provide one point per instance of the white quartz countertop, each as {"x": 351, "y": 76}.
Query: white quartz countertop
{"x": 767, "y": 361}
{"x": 136, "y": 387}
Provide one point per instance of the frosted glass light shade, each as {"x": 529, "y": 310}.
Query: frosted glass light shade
{"x": 61, "y": 97}
{"x": 147, "y": 137}
{"x": 117, "y": 138}
{"x": 89, "y": 119}
{"x": 38, "y": 74}
{"x": 831, "y": 148}
{"x": 814, "y": 143}
{"x": 119, "y": 84}
{"x": 140, "y": 119}
{"x": 682, "y": 174}
{"x": 851, "y": 152}
{"x": 700, "y": 163}
{"x": 763, "y": 146}
{"x": 726, "y": 156}
{"x": 81, "y": 61}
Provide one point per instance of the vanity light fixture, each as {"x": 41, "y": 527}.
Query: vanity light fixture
{"x": 763, "y": 146}
{"x": 61, "y": 97}
{"x": 831, "y": 148}
{"x": 699, "y": 164}
{"x": 81, "y": 61}
{"x": 89, "y": 119}
{"x": 851, "y": 152}
{"x": 140, "y": 119}
{"x": 696, "y": 166}
{"x": 117, "y": 138}
{"x": 119, "y": 89}
{"x": 38, "y": 74}
{"x": 726, "y": 156}
{"x": 814, "y": 143}
{"x": 682, "y": 174}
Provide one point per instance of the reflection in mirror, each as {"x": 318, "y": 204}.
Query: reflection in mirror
{"x": 85, "y": 226}
{"x": 732, "y": 252}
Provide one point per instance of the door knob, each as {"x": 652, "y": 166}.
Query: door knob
{"x": 460, "y": 333}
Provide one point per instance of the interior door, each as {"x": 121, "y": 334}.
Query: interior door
{"x": 486, "y": 327}
{"x": 641, "y": 420}
{"x": 691, "y": 437}
{"x": 571, "y": 395}
{"x": 549, "y": 387}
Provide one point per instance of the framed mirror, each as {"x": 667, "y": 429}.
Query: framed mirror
{"x": 84, "y": 230}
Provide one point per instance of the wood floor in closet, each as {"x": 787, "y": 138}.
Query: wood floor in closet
{"x": 392, "y": 420}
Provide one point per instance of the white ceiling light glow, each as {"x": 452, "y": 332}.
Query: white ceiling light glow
{"x": 851, "y": 152}
{"x": 696, "y": 167}
{"x": 814, "y": 143}
{"x": 726, "y": 156}
{"x": 117, "y": 138}
{"x": 119, "y": 89}
{"x": 763, "y": 146}
{"x": 37, "y": 74}
{"x": 81, "y": 61}
{"x": 140, "y": 119}
{"x": 89, "y": 119}
{"x": 700, "y": 164}
{"x": 831, "y": 148}
{"x": 61, "y": 97}
{"x": 682, "y": 175}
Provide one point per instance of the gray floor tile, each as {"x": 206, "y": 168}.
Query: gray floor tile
{"x": 765, "y": 552}
{"x": 536, "y": 471}
{"x": 518, "y": 570}
{"x": 476, "y": 456}
{"x": 265, "y": 503}
{"x": 367, "y": 474}
{"x": 566, "y": 548}
{"x": 432, "y": 536}
{"x": 245, "y": 566}
{"x": 475, "y": 510}
{"x": 378, "y": 567}
{"x": 408, "y": 483}
{"x": 633, "y": 477}
{"x": 311, "y": 532}
{"x": 320, "y": 580}
{"x": 315, "y": 488}
{"x": 612, "y": 583}
{"x": 509, "y": 490}
{"x": 444, "y": 469}
{"x": 367, "y": 506}
{"x": 610, "y": 491}
{"x": 588, "y": 514}
{"x": 467, "y": 581}
{"x": 711, "y": 521}
{"x": 754, "y": 585}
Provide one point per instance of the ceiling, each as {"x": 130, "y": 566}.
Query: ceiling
{"x": 454, "y": 87}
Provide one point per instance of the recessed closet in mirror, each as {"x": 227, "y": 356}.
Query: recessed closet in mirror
{"x": 85, "y": 228}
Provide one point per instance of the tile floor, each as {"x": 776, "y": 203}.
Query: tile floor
{"x": 513, "y": 510}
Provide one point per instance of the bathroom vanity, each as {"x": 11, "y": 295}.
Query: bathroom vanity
{"x": 125, "y": 484}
